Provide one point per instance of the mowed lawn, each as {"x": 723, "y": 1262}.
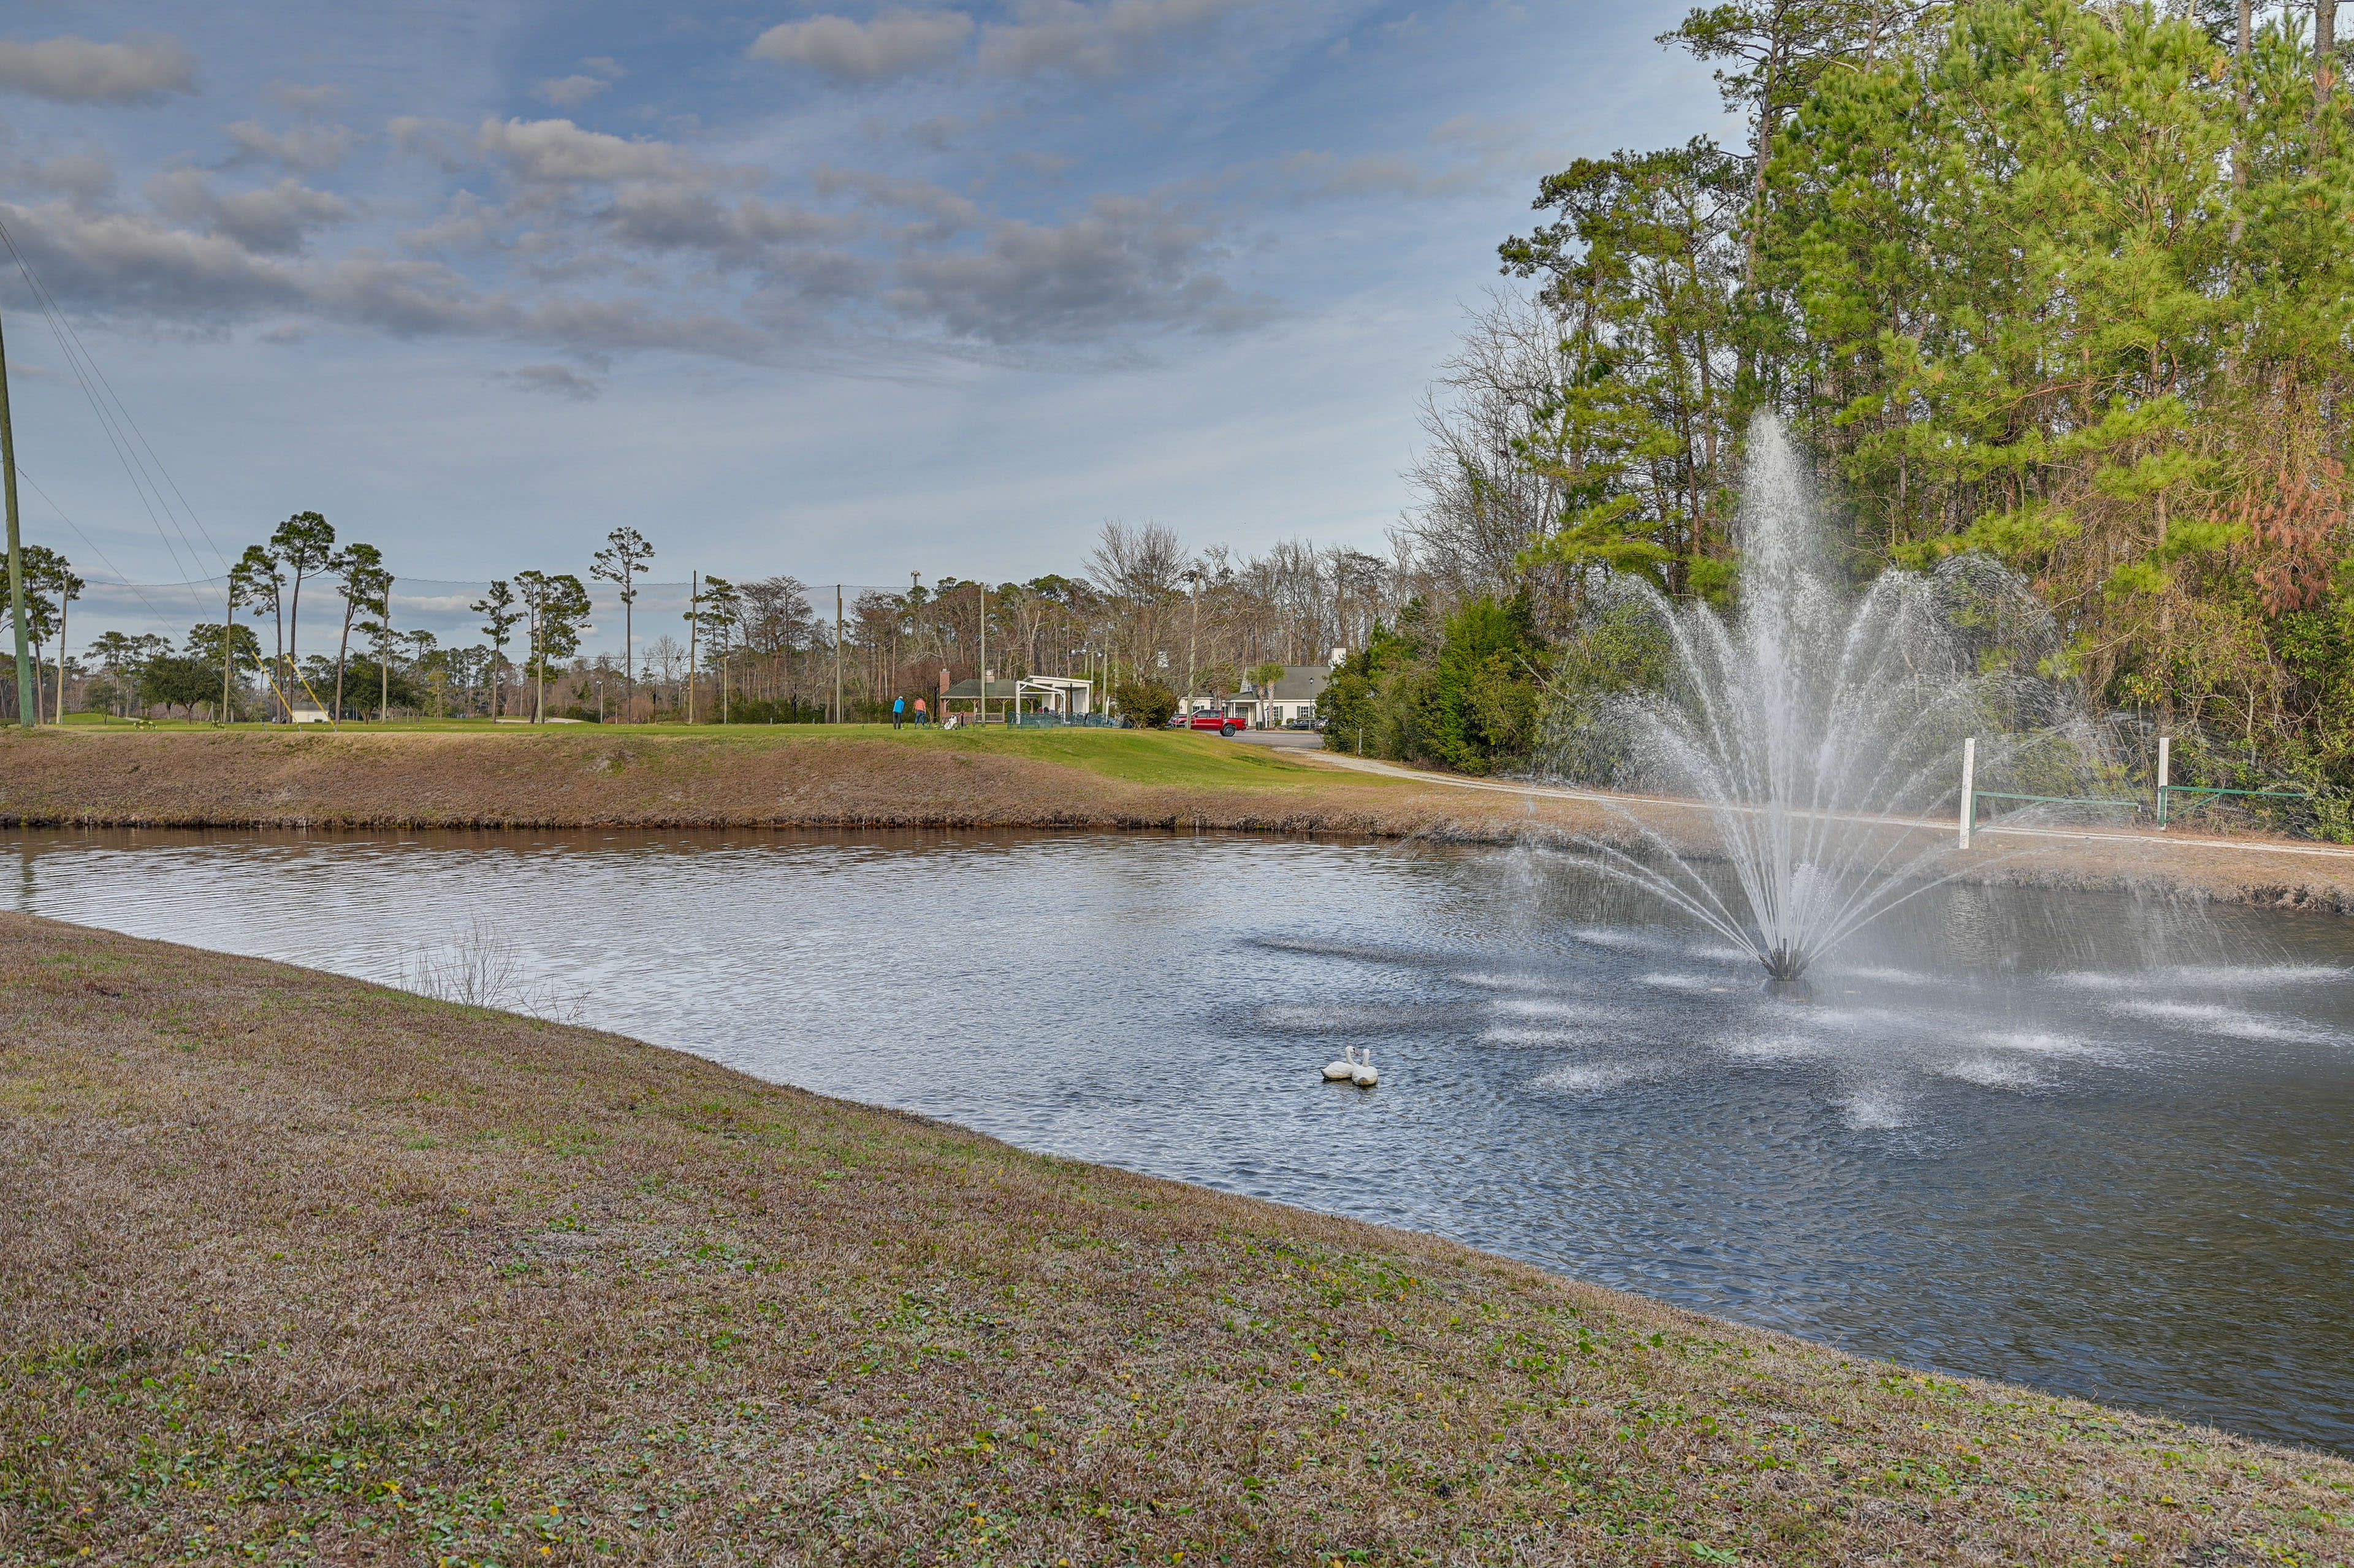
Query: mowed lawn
{"x": 302, "y": 1270}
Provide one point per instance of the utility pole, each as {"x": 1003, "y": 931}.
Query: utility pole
{"x": 983, "y": 671}
{"x": 228, "y": 645}
{"x": 837, "y": 653}
{"x": 694, "y": 625}
{"x": 1193, "y": 634}
{"x": 384, "y": 662}
{"x": 28, "y": 708}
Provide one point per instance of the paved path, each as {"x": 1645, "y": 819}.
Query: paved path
{"x": 1603, "y": 797}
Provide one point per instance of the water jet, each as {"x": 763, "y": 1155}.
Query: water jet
{"x": 1816, "y": 723}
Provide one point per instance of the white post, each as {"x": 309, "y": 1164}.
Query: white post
{"x": 2165, "y": 774}
{"x": 1969, "y": 786}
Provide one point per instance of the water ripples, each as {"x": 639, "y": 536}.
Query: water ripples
{"x": 2102, "y": 1147}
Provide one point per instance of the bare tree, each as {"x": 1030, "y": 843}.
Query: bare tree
{"x": 1481, "y": 501}
{"x": 1140, "y": 570}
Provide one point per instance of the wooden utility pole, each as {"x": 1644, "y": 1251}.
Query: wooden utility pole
{"x": 28, "y": 705}
{"x": 694, "y": 625}
{"x": 228, "y": 643}
{"x": 837, "y": 653}
{"x": 383, "y": 661}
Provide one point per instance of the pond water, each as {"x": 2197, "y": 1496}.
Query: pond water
{"x": 2089, "y": 1143}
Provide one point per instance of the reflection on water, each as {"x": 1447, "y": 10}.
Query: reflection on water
{"x": 2097, "y": 1146}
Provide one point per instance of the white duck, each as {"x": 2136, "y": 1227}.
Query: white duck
{"x": 1366, "y": 1076}
{"x": 1344, "y": 1069}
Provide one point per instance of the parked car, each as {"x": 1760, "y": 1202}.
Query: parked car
{"x": 1224, "y": 724}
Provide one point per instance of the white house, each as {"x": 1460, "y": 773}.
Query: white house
{"x": 1291, "y": 698}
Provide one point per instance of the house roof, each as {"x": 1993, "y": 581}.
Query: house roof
{"x": 1300, "y": 683}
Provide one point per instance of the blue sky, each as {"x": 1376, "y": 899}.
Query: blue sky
{"x": 842, "y": 290}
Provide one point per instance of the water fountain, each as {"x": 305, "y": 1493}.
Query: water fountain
{"x": 1820, "y": 725}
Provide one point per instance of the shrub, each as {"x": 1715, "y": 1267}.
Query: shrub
{"x": 1147, "y": 703}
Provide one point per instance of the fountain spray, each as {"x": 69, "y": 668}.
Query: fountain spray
{"x": 1818, "y": 723}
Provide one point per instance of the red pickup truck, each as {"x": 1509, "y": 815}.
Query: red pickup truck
{"x": 1224, "y": 724}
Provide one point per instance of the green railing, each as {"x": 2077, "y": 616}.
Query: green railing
{"x": 2203, "y": 794}
{"x": 2166, "y": 789}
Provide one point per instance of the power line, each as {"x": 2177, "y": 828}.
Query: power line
{"x": 115, "y": 422}
{"x": 94, "y": 550}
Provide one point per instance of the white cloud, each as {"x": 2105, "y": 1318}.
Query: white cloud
{"x": 671, "y": 216}
{"x": 949, "y": 213}
{"x": 1125, "y": 267}
{"x": 275, "y": 221}
{"x": 893, "y": 43}
{"x": 557, "y": 152}
{"x": 141, "y": 68}
{"x": 84, "y": 176}
{"x": 308, "y": 146}
{"x": 307, "y": 100}
{"x": 135, "y": 264}
{"x": 1099, "y": 40}
{"x": 569, "y": 91}
{"x": 595, "y": 75}
{"x": 556, "y": 381}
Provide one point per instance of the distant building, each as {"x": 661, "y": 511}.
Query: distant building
{"x": 302, "y": 710}
{"x": 1289, "y": 699}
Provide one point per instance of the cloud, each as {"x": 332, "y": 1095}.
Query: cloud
{"x": 949, "y": 213}
{"x": 1322, "y": 176}
{"x": 595, "y": 74}
{"x": 669, "y": 216}
{"x": 275, "y": 221}
{"x": 555, "y": 380}
{"x": 1126, "y": 266}
{"x": 307, "y": 100}
{"x": 133, "y": 264}
{"x": 557, "y": 152}
{"x": 307, "y": 147}
{"x": 86, "y": 176}
{"x": 893, "y": 43}
{"x": 1102, "y": 40}
{"x": 569, "y": 91}
{"x": 140, "y": 69}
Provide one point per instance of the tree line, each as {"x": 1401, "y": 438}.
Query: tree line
{"x": 2068, "y": 285}
{"x": 307, "y": 627}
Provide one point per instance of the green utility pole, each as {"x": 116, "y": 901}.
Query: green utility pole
{"x": 27, "y": 709}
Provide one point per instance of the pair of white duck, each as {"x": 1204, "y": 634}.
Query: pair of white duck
{"x": 1356, "y": 1070}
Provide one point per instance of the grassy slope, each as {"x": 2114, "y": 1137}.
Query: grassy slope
{"x": 655, "y": 775}
{"x": 299, "y": 1269}
{"x": 1136, "y": 756}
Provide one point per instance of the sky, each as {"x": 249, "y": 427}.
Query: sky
{"x": 841, "y": 290}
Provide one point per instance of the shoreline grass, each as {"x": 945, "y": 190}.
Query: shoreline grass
{"x": 302, "y": 1269}
{"x": 868, "y": 776}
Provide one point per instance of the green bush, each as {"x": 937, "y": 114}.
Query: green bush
{"x": 1148, "y": 705}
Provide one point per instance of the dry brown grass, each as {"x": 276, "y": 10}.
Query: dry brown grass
{"x": 862, "y": 777}
{"x": 298, "y": 1269}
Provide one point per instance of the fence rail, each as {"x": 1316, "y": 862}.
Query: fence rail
{"x": 2166, "y": 792}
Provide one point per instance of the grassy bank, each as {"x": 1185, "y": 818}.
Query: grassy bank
{"x": 865, "y": 776}
{"x": 800, "y": 775}
{"x": 648, "y": 775}
{"x": 302, "y": 1270}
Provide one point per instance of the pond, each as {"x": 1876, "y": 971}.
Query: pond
{"x": 2091, "y": 1143}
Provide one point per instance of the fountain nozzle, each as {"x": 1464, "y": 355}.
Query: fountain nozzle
{"x": 1786, "y": 974}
